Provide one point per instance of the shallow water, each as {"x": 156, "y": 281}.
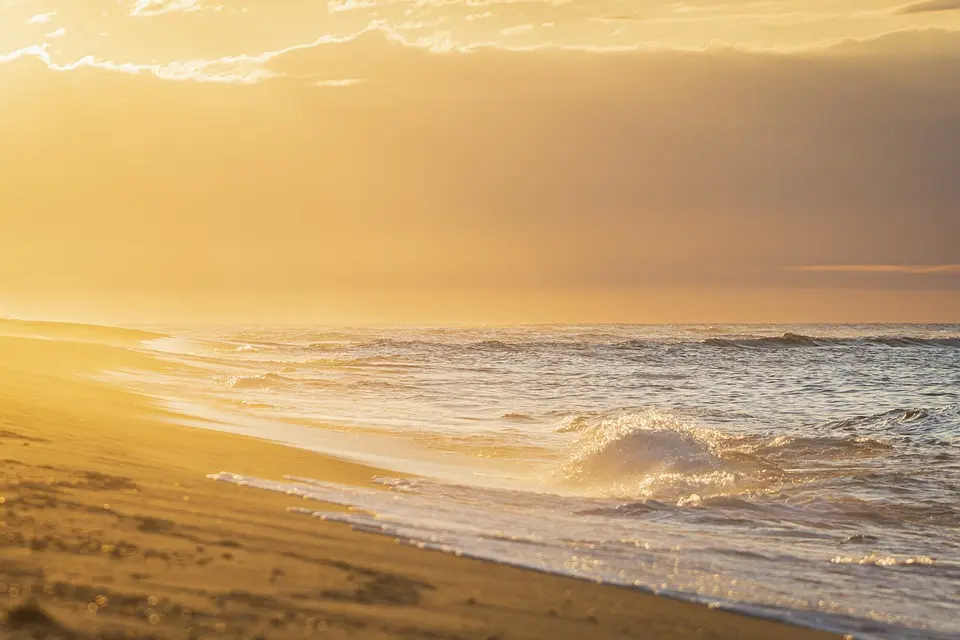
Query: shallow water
{"x": 807, "y": 473}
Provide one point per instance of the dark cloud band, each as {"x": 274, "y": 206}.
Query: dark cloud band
{"x": 928, "y": 6}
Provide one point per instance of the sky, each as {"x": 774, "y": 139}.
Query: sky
{"x": 480, "y": 161}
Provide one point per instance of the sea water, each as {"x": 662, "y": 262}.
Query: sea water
{"x": 806, "y": 473}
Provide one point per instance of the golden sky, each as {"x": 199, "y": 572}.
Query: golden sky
{"x": 480, "y": 160}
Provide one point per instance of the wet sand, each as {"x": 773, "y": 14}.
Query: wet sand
{"x": 109, "y": 528}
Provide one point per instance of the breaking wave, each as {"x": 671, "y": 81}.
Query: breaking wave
{"x": 654, "y": 453}
{"x": 668, "y": 454}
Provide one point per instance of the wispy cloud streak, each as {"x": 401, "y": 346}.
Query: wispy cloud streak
{"x": 929, "y": 6}
{"x": 239, "y": 69}
{"x": 907, "y": 269}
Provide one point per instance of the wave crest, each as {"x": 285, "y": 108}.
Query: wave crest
{"x": 668, "y": 454}
{"x": 654, "y": 453}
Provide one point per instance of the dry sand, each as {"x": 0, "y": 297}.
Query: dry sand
{"x": 109, "y": 528}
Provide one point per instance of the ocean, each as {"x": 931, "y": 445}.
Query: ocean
{"x": 804, "y": 473}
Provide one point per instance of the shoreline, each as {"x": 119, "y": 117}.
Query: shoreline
{"x": 111, "y": 527}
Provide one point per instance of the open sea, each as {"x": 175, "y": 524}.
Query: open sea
{"x": 804, "y": 473}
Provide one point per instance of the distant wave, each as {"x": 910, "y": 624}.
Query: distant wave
{"x": 327, "y": 346}
{"x": 515, "y": 416}
{"x": 498, "y": 345}
{"x": 800, "y": 340}
{"x": 784, "y": 340}
{"x": 386, "y": 347}
{"x": 481, "y": 345}
{"x": 374, "y": 362}
{"x": 893, "y": 416}
{"x": 903, "y": 422}
{"x": 370, "y": 385}
{"x": 709, "y": 330}
{"x": 272, "y": 381}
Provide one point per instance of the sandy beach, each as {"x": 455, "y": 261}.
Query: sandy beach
{"x": 110, "y": 528}
{"x": 480, "y": 319}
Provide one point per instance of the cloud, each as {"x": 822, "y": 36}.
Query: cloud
{"x": 229, "y": 70}
{"x": 338, "y": 6}
{"x": 907, "y": 269}
{"x": 489, "y": 167}
{"x": 42, "y": 18}
{"x": 927, "y": 6}
{"x": 238, "y": 69}
{"x": 149, "y": 8}
{"x": 343, "y": 82}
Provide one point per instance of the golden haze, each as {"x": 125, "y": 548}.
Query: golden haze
{"x": 393, "y": 161}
